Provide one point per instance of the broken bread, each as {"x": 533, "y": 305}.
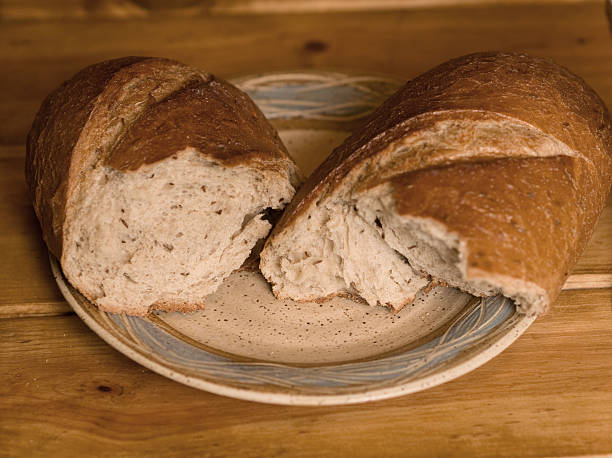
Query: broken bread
{"x": 487, "y": 173}
{"x": 151, "y": 181}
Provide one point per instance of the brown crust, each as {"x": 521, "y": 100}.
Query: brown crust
{"x": 546, "y": 101}
{"x": 239, "y": 133}
{"x": 133, "y": 111}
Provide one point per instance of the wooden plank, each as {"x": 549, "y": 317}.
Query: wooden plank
{"x": 32, "y": 309}
{"x": 597, "y": 258}
{"x": 37, "y": 56}
{"x": 25, "y": 277}
{"x": 45, "y": 10}
{"x": 326, "y": 6}
{"x": 65, "y": 391}
{"x": 587, "y": 281}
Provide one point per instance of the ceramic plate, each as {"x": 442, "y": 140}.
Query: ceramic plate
{"x": 248, "y": 345}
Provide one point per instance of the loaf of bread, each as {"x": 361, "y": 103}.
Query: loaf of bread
{"x": 151, "y": 181}
{"x": 487, "y": 173}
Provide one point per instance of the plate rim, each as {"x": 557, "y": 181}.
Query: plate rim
{"x": 281, "y": 398}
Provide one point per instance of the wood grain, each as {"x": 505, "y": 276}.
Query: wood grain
{"x": 23, "y": 10}
{"x": 37, "y": 56}
{"x": 63, "y": 389}
{"x": 594, "y": 268}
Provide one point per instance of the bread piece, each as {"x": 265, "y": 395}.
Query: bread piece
{"x": 487, "y": 173}
{"x": 151, "y": 180}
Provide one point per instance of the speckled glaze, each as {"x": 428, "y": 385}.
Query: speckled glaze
{"x": 249, "y": 345}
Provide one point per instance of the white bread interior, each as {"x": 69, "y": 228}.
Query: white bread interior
{"x": 340, "y": 251}
{"x": 167, "y": 233}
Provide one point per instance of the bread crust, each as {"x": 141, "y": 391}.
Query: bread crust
{"x": 550, "y": 121}
{"x": 239, "y": 133}
{"x": 130, "y": 112}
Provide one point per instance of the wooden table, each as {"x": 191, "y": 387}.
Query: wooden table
{"x": 64, "y": 391}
